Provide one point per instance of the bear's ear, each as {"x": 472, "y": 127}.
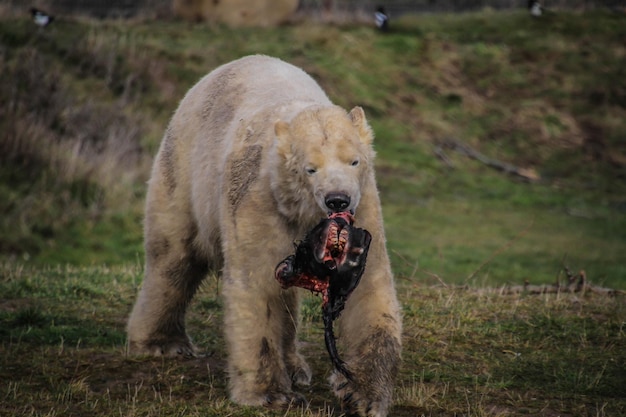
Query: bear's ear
{"x": 357, "y": 115}
{"x": 283, "y": 142}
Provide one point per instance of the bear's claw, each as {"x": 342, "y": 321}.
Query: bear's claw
{"x": 301, "y": 375}
{"x": 282, "y": 400}
{"x": 170, "y": 349}
{"x": 353, "y": 402}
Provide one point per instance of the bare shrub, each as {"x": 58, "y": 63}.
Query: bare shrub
{"x": 45, "y": 125}
{"x": 32, "y": 97}
{"x": 66, "y": 159}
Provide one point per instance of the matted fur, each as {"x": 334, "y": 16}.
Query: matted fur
{"x": 242, "y": 173}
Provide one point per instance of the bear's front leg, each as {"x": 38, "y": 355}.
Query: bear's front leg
{"x": 260, "y": 328}
{"x": 370, "y": 329}
{"x": 373, "y": 367}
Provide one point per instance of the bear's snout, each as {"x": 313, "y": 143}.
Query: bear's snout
{"x": 337, "y": 202}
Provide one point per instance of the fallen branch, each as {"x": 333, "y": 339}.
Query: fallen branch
{"x": 440, "y": 153}
{"x": 578, "y": 286}
{"x": 575, "y": 283}
{"x": 527, "y": 174}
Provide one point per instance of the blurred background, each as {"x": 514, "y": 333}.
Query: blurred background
{"x": 165, "y": 8}
{"x": 500, "y": 131}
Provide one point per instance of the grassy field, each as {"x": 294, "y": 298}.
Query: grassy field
{"x": 84, "y": 105}
{"x": 466, "y": 352}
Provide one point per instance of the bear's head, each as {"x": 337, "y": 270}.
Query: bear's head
{"x": 325, "y": 158}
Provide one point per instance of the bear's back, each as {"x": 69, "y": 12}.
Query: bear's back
{"x": 249, "y": 84}
{"x": 272, "y": 80}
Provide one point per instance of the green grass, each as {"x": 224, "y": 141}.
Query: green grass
{"x": 466, "y": 352}
{"x": 89, "y": 101}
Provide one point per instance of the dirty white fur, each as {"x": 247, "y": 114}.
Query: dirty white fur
{"x": 242, "y": 173}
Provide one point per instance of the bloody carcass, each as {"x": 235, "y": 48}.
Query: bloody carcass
{"x": 330, "y": 260}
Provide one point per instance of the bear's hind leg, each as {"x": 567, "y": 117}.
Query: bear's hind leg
{"x": 173, "y": 273}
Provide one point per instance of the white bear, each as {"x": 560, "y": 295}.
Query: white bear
{"x": 254, "y": 157}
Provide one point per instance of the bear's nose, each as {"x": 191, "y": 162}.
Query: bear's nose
{"x": 337, "y": 202}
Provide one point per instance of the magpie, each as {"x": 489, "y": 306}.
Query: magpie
{"x": 382, "y": 19}
{"x": 534, "y": 7}
{"x": 41, "y": 18}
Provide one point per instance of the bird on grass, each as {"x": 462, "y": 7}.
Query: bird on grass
{"x": 41, "y": 18}
{"x": 535, "y": 9}
{"x": 382, "y": 19}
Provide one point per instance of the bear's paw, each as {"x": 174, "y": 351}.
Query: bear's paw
{"x": 357, "y": 402}
{"x": 164, "y": 348}
{"x": 285, "y": 400}
{"x": 301, "y": 374}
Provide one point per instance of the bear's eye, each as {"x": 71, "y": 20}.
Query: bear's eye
{"x": 355, "y": 163}
{"x": 311, "y": 171}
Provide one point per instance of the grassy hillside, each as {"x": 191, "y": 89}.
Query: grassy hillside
{"x": 83, "y": 105}
{"x": 88, "y": 102}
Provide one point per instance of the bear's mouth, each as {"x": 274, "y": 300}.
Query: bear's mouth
{"x": 330, "y": 261}
{"x": 350, "y": 212}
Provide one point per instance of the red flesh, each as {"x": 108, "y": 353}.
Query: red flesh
{"x": 336, "y": 240}
{"x": 334, "y": 254}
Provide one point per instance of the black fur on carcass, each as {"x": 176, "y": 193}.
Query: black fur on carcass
{"x": 330, "y": 260}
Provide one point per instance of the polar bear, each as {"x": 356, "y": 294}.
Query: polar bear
{"x": 255, "y": 155}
